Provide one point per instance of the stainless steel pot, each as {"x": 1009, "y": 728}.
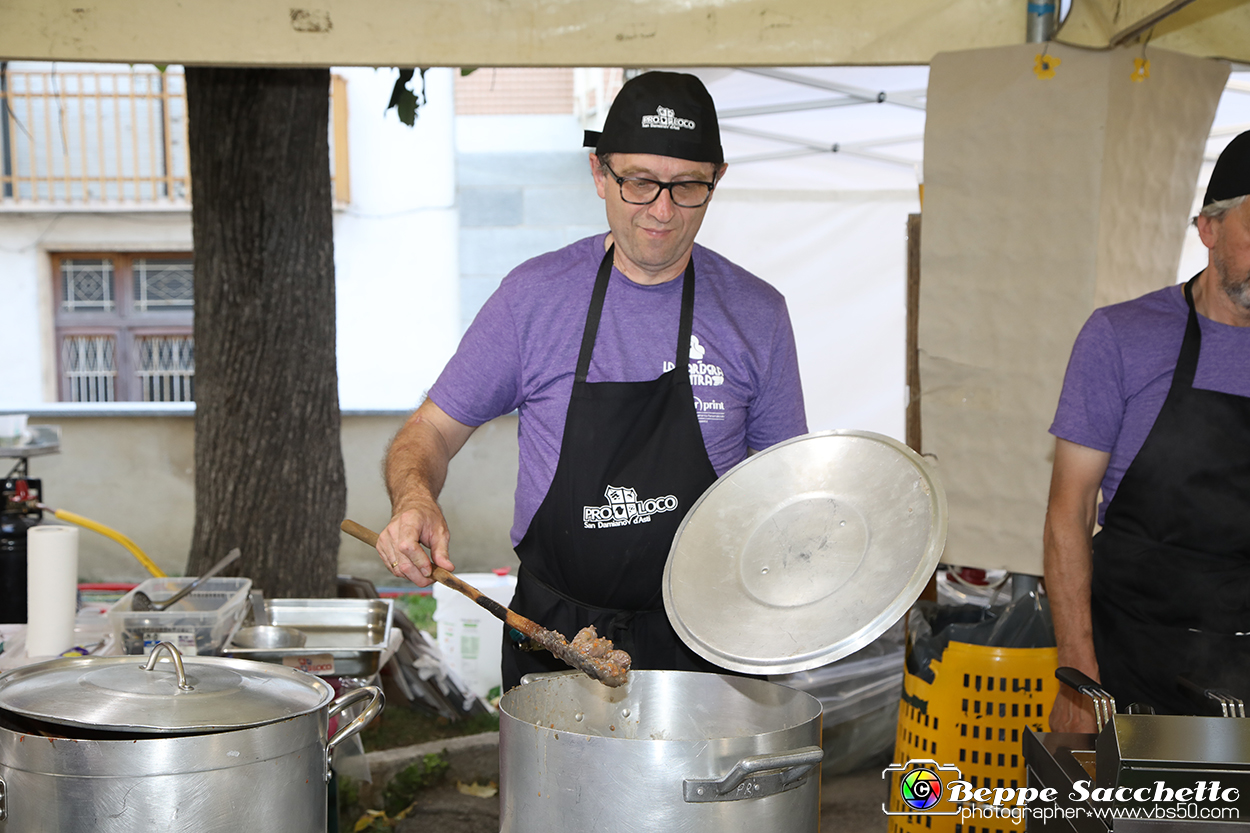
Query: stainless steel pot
{"x": 670, "y": 750}
{"x": 218, "y": 745}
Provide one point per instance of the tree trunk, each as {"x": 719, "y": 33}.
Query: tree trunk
{"x": 268, "y": 459}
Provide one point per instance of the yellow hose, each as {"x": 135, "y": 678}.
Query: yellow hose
{"x": 70, "y": 517}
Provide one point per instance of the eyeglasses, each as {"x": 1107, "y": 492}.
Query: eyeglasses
{"x": 685, "y": 194}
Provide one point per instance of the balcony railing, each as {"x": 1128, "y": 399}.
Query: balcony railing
{"x": 94, "y": 137}
{"x": 112, "y": 138}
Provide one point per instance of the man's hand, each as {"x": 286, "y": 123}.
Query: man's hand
{"x": 416, "y": 468}
{"x": 400, "y": 544}
{"x": 1072, "y": 712}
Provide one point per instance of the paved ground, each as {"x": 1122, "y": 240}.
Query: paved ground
{"x": 850, "y": 803}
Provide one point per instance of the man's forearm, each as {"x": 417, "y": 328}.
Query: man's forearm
{"x": 1069, "y": 572}
{"x": 1067, "y": 543}
{"x": 416, "y": 463}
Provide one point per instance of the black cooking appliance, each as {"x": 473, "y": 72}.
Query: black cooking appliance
{"x": 20, "y": 495}
{"x": 1171, "y": 772}
{"x": 18, "y": 513}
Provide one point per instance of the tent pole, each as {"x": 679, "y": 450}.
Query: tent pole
{"x": 1042, "y": 17}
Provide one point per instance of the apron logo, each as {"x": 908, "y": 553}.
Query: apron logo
{"x": 665, "y": 117}
{"x": 624, "y": 508}
{"x": 701, "y": 372}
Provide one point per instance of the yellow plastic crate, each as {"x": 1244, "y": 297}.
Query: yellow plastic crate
{"x": 972, "y": 716}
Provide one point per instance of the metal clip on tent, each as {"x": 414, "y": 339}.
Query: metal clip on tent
{"x": 1104, "y": 703}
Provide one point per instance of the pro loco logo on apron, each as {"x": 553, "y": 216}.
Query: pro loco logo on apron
{"x": 624, "y": 508}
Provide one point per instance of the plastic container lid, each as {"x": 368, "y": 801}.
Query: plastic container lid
{"x": 805, "y": 552}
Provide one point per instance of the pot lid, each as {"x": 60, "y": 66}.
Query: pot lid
{"x": 195, "y": 694}
{"x": 805, "y": 552}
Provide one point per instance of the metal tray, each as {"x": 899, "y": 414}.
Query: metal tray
{"x": 43, "y": 439}
{"x": 346, "y": 637}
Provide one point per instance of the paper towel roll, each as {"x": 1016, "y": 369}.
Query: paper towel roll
{"x": 51, "y": 589}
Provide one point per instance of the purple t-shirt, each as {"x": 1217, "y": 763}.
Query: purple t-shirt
{"x": 1121, "y": 370}
{"x": 520, "y": 353}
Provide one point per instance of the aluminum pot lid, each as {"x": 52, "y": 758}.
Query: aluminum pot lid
{"x": 120, "y": 693}
{"x": 805, "y": 553}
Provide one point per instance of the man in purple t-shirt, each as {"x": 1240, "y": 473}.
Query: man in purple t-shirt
{"x": 641, "y": 366}
{"x": 1155, "y": 412}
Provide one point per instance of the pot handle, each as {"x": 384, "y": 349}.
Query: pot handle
{"x": 758, "y": 776}
{"x": 350, "y": 699}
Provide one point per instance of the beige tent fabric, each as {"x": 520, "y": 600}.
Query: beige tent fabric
{"x": 1101, "y": 23}
{"x": 511, "y": 33}
{"x": 1053, "y": 185}
{"x": 1207, "y": 28}
{"x": 585, "y": 33}
{"x": 1216, "y": 29}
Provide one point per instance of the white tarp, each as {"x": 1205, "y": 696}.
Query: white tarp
{"x": 1047, "y": 194}
{"x": 827, "y": 229}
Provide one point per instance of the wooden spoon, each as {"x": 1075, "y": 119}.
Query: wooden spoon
{"x": 605, "y": 669}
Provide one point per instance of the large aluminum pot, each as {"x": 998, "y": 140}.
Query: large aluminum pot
{"x": 221, "y": 746}
{"x": 670, "y": 750}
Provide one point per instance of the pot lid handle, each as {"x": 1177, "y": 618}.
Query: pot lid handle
{"x": 176, "y": 657}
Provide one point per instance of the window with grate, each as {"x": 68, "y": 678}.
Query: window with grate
{"x": 124, "y": 327}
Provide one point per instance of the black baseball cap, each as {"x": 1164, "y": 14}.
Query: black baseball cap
{"x": 663, "y": 113}
{"x": 1231, "y": 176}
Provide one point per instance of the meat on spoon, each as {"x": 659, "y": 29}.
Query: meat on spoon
{"x": 591, "y": 653}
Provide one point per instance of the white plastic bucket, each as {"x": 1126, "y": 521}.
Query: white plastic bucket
{"x": 469, "y": 637}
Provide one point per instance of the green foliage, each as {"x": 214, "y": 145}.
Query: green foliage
{"x": 403, "y": 788}
{"x": 348, "y": 801}
{"x": 402, "y": 725}
{"x": 349, "y": 791}
{"x": 407, "y": 101}
{"x": 420, "y": 609}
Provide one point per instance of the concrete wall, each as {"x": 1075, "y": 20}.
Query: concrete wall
{"x": 135, "y": 473}
{"x": 523, "y": 187}
{"x": 515, "y": 206}
{"x": 476, "y": 500}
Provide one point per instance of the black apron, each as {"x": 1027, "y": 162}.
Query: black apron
{"x": 632, "y": 463}
{"x": 1171, "y": 566}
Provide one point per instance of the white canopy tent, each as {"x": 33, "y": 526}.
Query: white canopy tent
{"x": 823, "y": 166}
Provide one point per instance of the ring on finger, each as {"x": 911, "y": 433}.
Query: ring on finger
{"x": 394, "y": 564}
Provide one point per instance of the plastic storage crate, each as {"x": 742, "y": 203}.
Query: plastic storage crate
{"x": 198, "y": 624}
{"x": 972, "y": 716}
